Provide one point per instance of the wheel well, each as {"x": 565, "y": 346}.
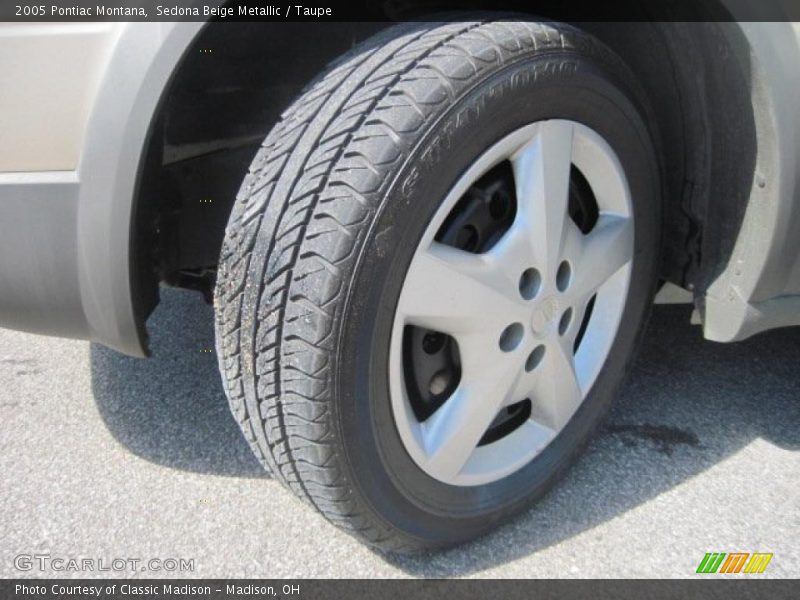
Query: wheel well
{"x": 236, "y": 79}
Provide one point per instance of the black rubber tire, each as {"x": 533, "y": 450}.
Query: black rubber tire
{"x": 324, "y": 228}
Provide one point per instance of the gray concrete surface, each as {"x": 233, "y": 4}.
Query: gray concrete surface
{"x": 102, "y": 456}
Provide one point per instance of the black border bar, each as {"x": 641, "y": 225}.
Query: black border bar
{"x": 700, "y": 588}
{"x": 393, "y": 10}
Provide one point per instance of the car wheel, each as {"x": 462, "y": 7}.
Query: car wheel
{"x": 436, "y": 272}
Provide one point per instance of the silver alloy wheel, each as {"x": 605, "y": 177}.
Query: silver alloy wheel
{"x": 516, "y": 310}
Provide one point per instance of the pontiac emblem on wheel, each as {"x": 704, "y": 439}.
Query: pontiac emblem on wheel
{"x": 544, "y": 315}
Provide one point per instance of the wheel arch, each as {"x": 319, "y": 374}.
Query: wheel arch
{"x": 139, "y": 69}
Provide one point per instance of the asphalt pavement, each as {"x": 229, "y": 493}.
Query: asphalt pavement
{"x": 107, "y": 457}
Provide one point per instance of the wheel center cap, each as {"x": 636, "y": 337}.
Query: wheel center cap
{"x": 544, "y": 315}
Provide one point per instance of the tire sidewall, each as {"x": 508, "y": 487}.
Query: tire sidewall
{"x": 534, "y": 89}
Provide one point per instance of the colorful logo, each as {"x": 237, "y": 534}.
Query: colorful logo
{"x": 734, "y": 562}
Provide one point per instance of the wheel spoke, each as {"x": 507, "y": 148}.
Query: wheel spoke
{"x": 557, "y": 393}
{"x": 596, "y": 256}
{"x": 579, "y": 306}
{"x": 541, "y": 174}
{"x": 453, "y": 291}
{"x": 452, "y": 433}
